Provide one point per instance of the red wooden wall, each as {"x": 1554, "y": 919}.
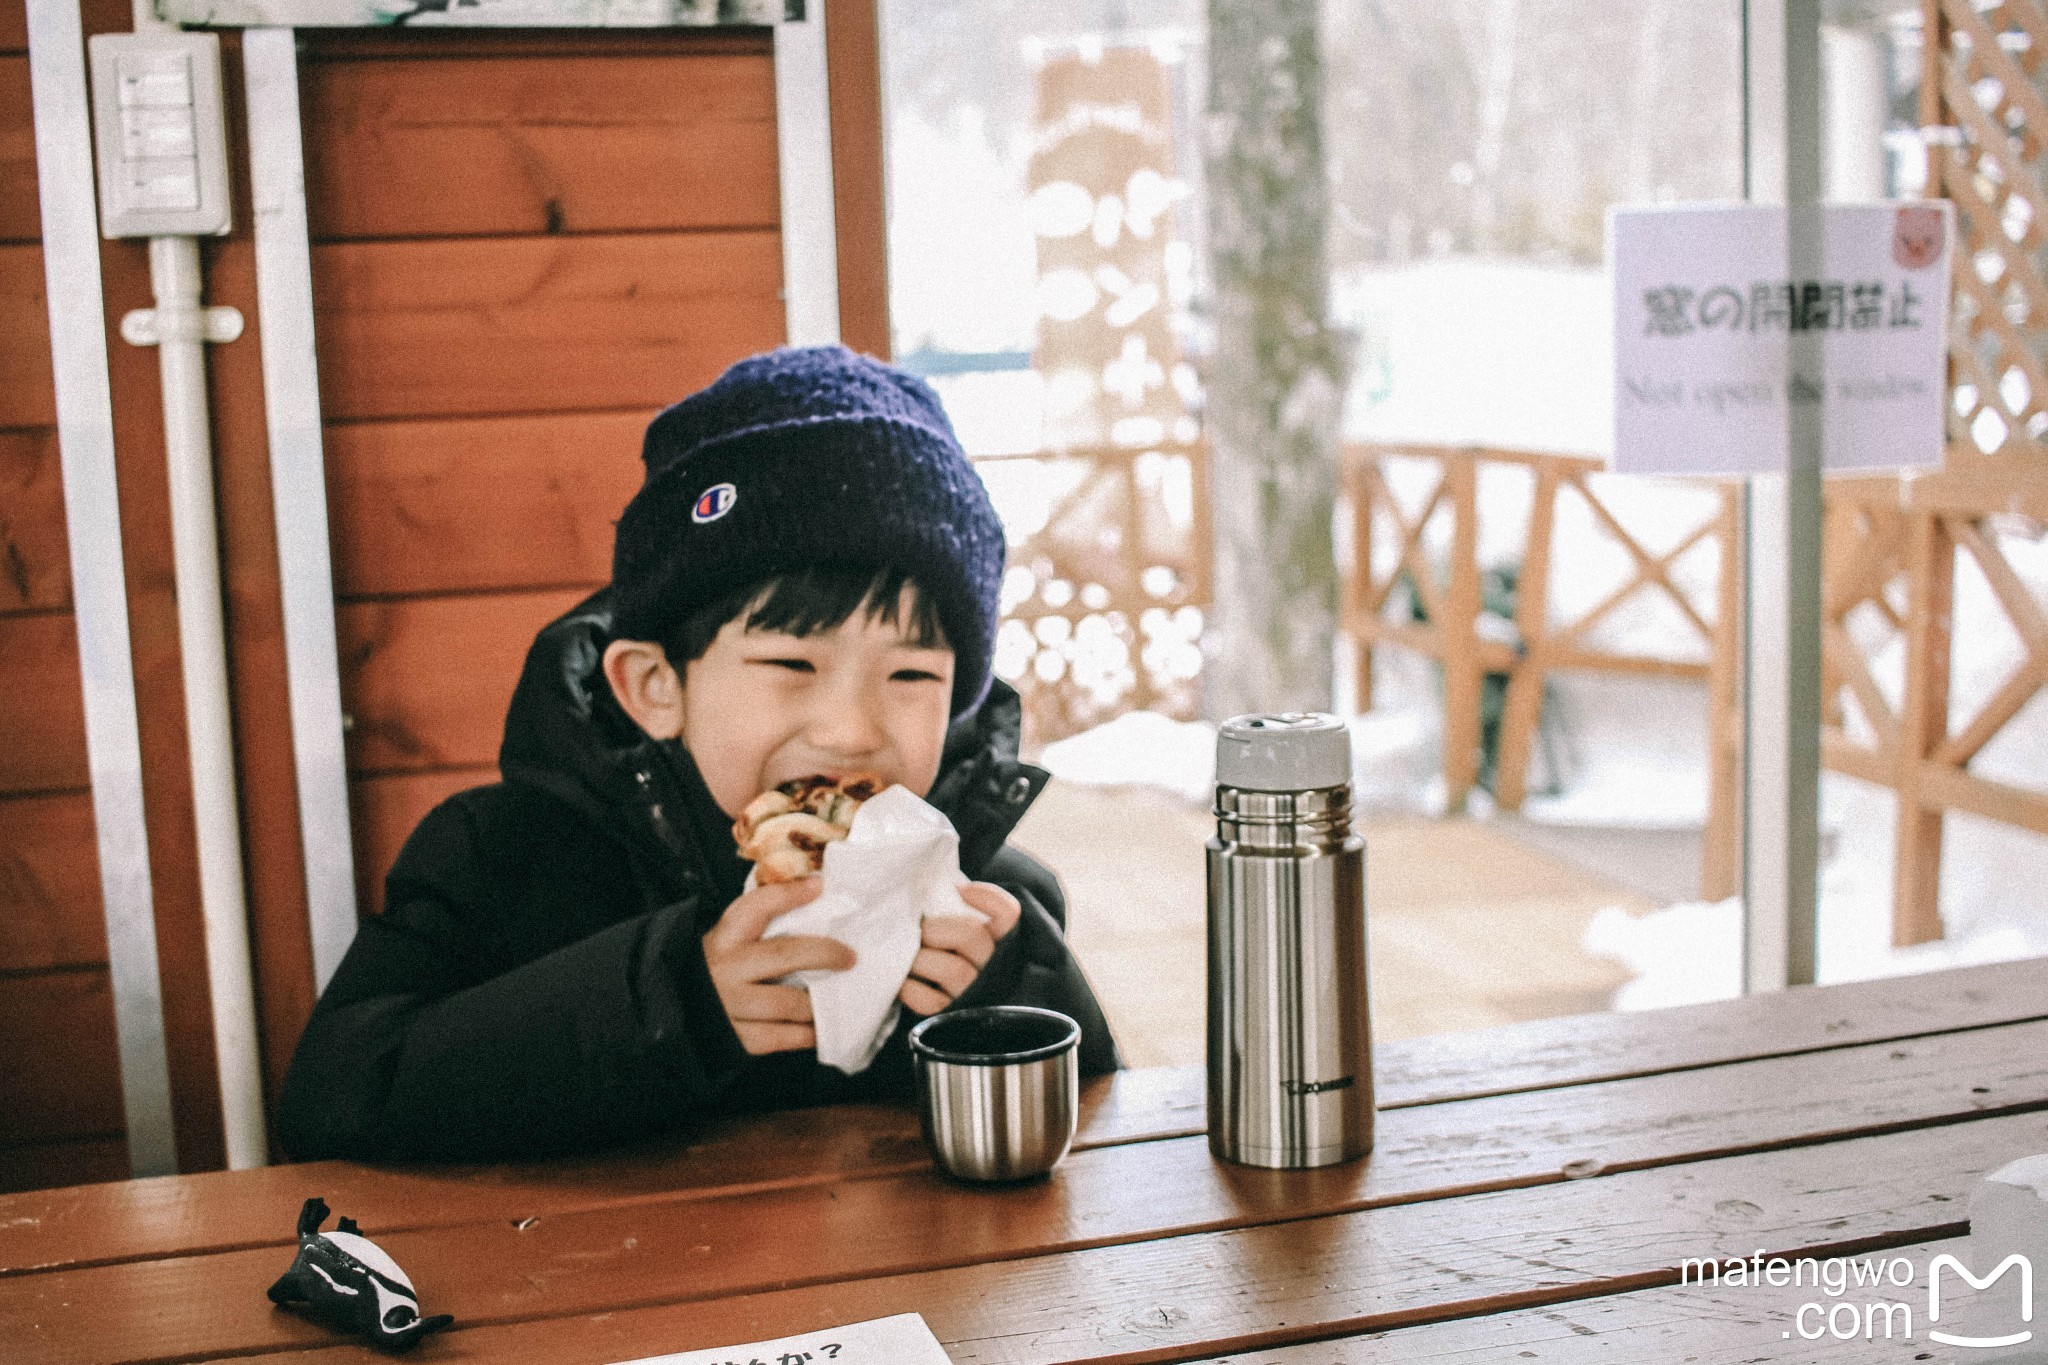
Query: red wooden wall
{"x": 524, "y": 244}
{"x": 60, "y": 1109}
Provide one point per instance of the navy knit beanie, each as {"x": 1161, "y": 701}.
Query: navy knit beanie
{"x": 805, "y": 457}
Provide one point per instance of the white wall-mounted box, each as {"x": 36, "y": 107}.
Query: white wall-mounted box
{"x": 158, "y": 132}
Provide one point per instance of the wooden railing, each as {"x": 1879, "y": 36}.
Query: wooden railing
{"x": 1891, "y": 546}
{"x": 1884, "y": 535}
{"x": 1452, "y": 629}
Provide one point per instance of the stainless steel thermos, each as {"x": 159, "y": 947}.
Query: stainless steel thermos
{"x": 1290, "y": 1046}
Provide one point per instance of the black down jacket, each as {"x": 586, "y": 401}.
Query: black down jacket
{"x": 537, "y": 985}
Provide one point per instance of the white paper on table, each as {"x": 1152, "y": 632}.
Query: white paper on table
{"x": 898, "y": 866}
{"x": 901, "y": 1340}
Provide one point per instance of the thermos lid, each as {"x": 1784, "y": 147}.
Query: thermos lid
{"x": 1291, "y": 751}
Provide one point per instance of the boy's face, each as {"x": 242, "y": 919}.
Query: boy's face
{"x": 759, "y": 708}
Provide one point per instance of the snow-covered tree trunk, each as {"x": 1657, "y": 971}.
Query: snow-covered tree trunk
{"x": 1276, "y": 378}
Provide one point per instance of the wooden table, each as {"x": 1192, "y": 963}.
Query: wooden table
{"x": 1533, "y": 1193}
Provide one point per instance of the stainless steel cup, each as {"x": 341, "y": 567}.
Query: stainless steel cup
{"x": 997, "y": 1088}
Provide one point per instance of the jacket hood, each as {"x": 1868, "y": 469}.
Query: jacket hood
{"x": 566, "y": 735}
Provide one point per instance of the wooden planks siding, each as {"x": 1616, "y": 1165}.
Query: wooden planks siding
{"x": 525, "y": 245}
{"x": 599, "y": 142}
{"x": 35, "y": 566}
{"x": 546, "y": 523}
{"x": 49, "y": 884}
{"x": 20, "y": 216}
{"x": 42, "y": 729}
{"x": 472, "y": 327}
{"x": 429, "y": 678}
{"x": 42, "y": 1078}
{"x": 27, "y": 397}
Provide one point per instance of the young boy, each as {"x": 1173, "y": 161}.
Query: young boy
{"x": 805, "y": 584}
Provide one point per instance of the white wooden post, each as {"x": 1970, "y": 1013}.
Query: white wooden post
{"x": 99, "y": 595}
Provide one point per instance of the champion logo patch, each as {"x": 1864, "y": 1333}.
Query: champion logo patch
{"x": 714, "y": 503}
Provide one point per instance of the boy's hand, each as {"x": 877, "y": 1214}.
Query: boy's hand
{"x": 744, "y": 967}
{"x": 957, "y": 947}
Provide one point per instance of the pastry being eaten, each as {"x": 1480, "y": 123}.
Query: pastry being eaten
{"x": 784, "y": 832}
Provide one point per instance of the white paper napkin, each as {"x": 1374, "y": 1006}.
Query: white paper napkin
{"x": 898, "y": 866}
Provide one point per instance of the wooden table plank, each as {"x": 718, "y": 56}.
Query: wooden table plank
{"x": 50, "y": 1228}
{"x": 616, "y": 1257}
{"x": 1587, "y": 1047}
{"x": 222, "y": 1210}
{"x": 1263, "y": 1287}
{"x": 1582, "y": 1048}
{"x": 1698, "y": 1324}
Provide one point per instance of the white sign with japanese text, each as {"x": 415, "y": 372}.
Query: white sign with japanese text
{"x": 901, "y": 1340}
{"x": 1705, "y": 309}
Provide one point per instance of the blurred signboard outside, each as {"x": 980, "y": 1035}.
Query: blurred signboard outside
{"x": 1705, "y": 311}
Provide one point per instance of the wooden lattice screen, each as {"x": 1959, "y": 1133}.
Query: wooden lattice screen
{"x": 1103, "y": 602}
{"x": 1892, "y": 545}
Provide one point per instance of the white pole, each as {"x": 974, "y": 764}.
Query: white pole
{"x": 99, "y": 595}
{"x": 181, "y": 336}
{"x": 180, "y": 327}
{"x": 1781, "y": 616}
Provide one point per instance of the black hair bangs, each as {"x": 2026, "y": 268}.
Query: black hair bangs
{"x": 814, "y": 599}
